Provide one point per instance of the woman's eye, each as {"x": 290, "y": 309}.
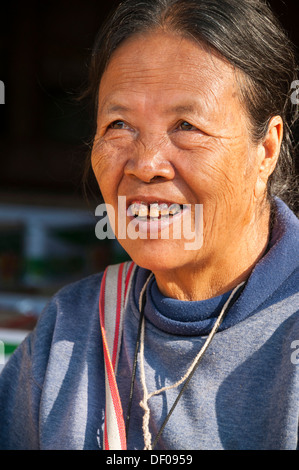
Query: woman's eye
{"x": 186, "y": 126}
{"x": 118, "y": 125}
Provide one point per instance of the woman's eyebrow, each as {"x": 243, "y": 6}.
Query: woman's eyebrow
{"x": 176, "y": 109}
{"x": 199, "y": 109}
{"x": 113, "y": 108}
{"x": 182, "y": 108}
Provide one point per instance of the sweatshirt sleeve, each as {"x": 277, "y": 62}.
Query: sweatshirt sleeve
{"x": 21, "y": 383}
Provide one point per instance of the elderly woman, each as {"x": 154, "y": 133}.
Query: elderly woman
{"x": 186, "y": 347}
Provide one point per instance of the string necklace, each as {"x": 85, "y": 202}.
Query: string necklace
{"x": 139, "y": 347}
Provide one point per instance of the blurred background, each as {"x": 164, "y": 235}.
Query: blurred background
{"x": 47, "y": 226}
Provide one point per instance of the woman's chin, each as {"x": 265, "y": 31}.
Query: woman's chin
{"x": 158, "y": 255}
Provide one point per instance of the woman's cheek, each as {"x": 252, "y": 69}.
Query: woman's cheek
{"x": 217, "y": 188}
{"x": 211, "y": 181}
{"x": 215, "y": 172}
{"x": 106, "y": 160}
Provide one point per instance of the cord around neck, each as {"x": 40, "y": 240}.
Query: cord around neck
{"x": 184, "y": 379}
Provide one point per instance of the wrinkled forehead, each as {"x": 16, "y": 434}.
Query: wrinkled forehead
{"x": 147, "y": 56}
{"x": 165, "y": 68}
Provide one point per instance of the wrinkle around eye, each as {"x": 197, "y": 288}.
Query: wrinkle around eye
{"x": 185, "y": 126}
{"x": 112, "y": 131}
{"x": 191, "y": 137}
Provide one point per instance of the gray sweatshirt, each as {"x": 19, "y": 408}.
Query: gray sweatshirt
{"x": 243, "y": 395}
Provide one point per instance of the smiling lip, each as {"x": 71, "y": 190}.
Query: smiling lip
{"x": 153, "y": 208}
{"x": 154, "y": 214}
{"x": 150, "y": 200}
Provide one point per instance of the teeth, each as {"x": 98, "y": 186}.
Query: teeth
{"x": 142, "y": 210}
{"x": 174, "y": 209}
{"x": 164, "y": 210}
{"x": 133, "y": 210}
{"x": 138, "y": 210}
{"x": 154, "y": 210}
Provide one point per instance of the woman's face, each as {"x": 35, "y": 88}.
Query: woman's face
{"x": 171, "y": 130}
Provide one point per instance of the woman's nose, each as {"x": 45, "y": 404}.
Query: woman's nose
{"x": 150, "y": 162}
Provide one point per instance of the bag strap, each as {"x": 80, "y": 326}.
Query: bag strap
{"x": 113, "y": 299}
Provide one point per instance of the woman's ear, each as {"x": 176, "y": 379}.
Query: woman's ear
{"x": 268, "y": 153}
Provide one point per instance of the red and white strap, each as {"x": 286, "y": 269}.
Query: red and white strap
{"x": 114, "y": 291}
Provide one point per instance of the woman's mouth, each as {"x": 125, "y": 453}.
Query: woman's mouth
{"x": 155, "y": 217}
{"x": 154, "y": 211}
